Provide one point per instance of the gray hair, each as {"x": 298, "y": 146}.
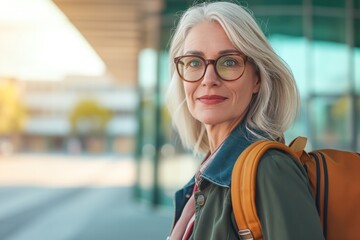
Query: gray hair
{"x": 272, "y": 109}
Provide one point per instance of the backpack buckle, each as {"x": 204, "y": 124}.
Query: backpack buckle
{"x": 245, "y": 234}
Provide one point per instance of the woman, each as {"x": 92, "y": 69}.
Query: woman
{"x": 229, "y": 89}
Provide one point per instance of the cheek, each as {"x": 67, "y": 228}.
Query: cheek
{"x": 189, "y": 92}
{"x": 243, "y": 94}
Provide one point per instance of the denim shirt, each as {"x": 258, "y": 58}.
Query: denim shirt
{"x": 218, "y": 172}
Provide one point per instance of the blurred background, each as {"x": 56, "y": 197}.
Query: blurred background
{"x": 86, "y": 145}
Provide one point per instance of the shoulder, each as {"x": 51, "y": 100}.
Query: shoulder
{"x": 277, "y": 164}
{"x": 282, "y": 192}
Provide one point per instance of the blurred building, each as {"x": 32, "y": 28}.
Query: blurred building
{"x": 49, "y": 106}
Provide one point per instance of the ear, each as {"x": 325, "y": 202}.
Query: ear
{"x": 256, "y": 87}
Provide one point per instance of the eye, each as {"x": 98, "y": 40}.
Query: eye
{"x": 229, "y": 62}
{"x": 193, "y": 63}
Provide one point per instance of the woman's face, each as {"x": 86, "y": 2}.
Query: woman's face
{"x": 212, "y": 100}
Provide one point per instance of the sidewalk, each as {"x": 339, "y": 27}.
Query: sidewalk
{"x": 54, "y": 209}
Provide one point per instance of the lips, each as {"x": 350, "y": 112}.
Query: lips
{"x": 212, "y": 99}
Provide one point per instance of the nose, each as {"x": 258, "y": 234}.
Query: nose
{"x": 210, "y": 77}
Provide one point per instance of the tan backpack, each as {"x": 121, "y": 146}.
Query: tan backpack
{"x": 334, "y": 177}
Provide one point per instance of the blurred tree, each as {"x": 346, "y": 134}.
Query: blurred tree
{"x": 89, "y": 118}
{"x": 12, "y": 110}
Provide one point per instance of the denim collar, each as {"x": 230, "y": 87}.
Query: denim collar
{"x": 220, "y": 169}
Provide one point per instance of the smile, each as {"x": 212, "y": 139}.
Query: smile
{"x": 212, "y": 99}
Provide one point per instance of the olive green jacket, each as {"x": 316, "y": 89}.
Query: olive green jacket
{"x": 284, "y": 200}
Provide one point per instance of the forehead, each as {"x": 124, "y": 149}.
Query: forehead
{"x": 208, "y": 38}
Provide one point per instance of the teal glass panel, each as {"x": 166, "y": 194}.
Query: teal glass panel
{"x": 274, "y": 2}
{"x": 329, "y": 3}
{"x": 358, "y": 123}
{"x": 275, "y": 25}
{"x": 357, "y": 31}
{"x": 329, "y": 29}
{"x": 293, "y": 51}
{"x": 293, "y": 26}
{"x": 357, "y": 4}
{"x": 357, "y": 55}
{"x": 330, "y": 122}
{"x": 357, "y": 70}
{"x": 147, "y": 81}
{"x": 147, "y": 87}
{"x": 174, "y": 6}
{"x": 330, "y": 68}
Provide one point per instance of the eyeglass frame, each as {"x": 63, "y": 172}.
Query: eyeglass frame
{"x": 208, "y": 62}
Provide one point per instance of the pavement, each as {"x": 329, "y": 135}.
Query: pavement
{"x": 63, "y": 198}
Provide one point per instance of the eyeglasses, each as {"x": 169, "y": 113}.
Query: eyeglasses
{"x": 229, "y": 67}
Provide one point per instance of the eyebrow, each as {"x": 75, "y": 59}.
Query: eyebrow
{"x": 228, "y": 51}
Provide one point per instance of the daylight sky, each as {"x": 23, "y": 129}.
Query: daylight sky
{"x": 37, "y": 42}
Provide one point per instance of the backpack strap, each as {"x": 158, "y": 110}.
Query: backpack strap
{"x": 243, "y": 187}
{"x": 298, "y": 146}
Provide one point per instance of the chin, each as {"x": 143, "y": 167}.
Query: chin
{"x": 211, "y": 120}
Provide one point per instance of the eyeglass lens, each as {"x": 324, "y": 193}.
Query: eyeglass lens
{"x": 228, "y": 67}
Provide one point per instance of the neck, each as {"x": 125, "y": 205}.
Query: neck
{"x": 218, "y": 133}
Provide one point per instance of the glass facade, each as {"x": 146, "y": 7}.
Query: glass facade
{"x": 321, "y": 43}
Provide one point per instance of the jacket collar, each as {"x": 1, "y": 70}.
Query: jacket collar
{"x": 220, "y": 169}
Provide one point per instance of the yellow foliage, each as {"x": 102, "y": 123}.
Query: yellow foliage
{"x": 341, "y": 107}
{"x": 12, "y": 111}
{"x": 90, "y": 116}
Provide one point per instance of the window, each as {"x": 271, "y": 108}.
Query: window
{"x": 331, "y": 119}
